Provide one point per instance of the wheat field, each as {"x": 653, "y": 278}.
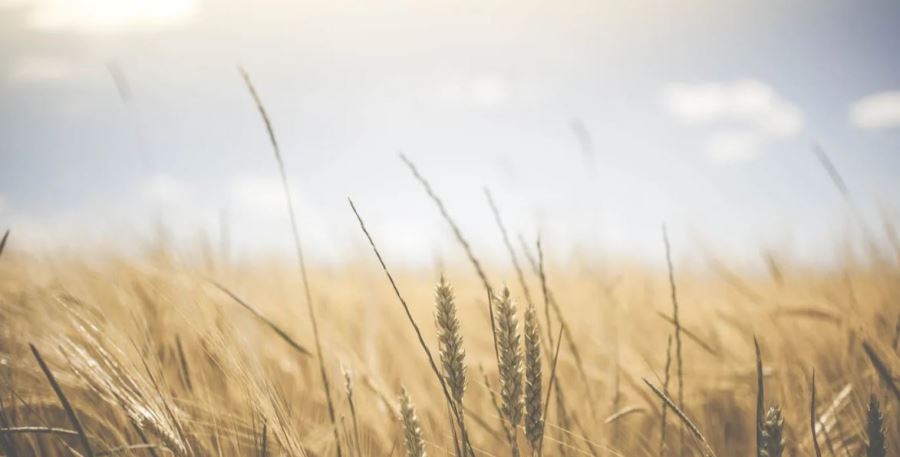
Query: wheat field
{"x": 157, "y": 355}
{"x": 195, "y": 354}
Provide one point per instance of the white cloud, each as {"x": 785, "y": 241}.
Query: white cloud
{"x": 258, "y": 194}
{"x": 164, "y": 190}
{"x": 760, "y": 112}
{"x": 877, "y": 111}
{"x": 107, "y": 15}
{"x": 485, "y": 91}
{"x": 489, "y": 91}
{"x": 44, "y": 69}
{"x": 259, "y": 217}
{"x": 733, "y": 145}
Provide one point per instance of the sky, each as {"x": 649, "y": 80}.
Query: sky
{"x": 591, "y": 122}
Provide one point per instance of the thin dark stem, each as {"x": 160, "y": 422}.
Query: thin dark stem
{"x": 278, "y": 330}
{"x": 550, "y": 385}
{"x": 300, "y": 258}
{"x": 666, "y": 378}
{"x": 760, "y": 399}
{"x": 509, "y": 248}
{"x": 456, "y": 413}
{"x": 543, "y": 277}
{"x": 455, "y": 228}
{"x": 883, "y": 371}
{"x": 65, "y": 402}
{"x": 3, "y": 241}
{"x": 679, "y": 363}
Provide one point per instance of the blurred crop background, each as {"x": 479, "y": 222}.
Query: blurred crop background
{"x": 136, "y": 174}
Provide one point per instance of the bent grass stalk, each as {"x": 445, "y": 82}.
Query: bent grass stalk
{"x": 295, "y": 231}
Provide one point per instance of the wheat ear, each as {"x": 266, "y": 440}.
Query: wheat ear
{"x": 773, "y": 433}
{"x": 348, "y": 388}
{"x": 875, "y": 446}
{"x": 457, "y": 413}
{"x": 534, "y": 418}
{"x": 450, "y": 349}
{"x": 510, "y": 365}
{"x": 412, "y": 432}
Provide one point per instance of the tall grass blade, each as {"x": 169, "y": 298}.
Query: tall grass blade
{"x": 295, "y": 231}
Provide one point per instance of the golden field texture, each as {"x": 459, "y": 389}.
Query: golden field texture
{"x": 154, "y": 357}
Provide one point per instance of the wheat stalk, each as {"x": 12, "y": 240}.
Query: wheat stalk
{"x": 773, "y": 433}
{"x": 450, "y": 342}
{"x": 760, "y": 400}
{"x": 295, "y": 231}
{"x": 875, "y": 447}
{"x": 450, "y": 349}
{"x": 412, "y": 432}
{"x": 679, "y": 366}
{"x": 509, "y": 248}
{"x": 534, "y": 419}
{"x": 883, "y": 371}
{"x": 665, "y": 387}
{"x": 707, "y": 449}
{"x": 510, "y": 365}
{"x": 348, "y": 388}
{"x": 3, "y": 241}
{"x": 455, "y": 228}
{"x": 434, "y": 368}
